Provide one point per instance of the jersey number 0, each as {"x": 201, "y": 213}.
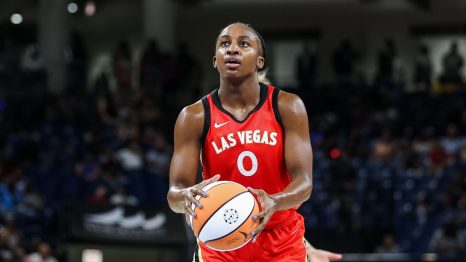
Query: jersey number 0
{"x": 240, "y": 164}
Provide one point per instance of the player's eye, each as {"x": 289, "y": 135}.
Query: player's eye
{"x": 224, "y": 43}
{"x": 244, "y": 43}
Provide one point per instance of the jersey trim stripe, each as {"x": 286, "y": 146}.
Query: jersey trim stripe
{"x": 262, "y": 99}
{"x": 276, "y": 112}
{"x": 205, "y": 130}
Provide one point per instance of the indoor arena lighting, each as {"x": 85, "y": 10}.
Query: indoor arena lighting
{"x": 92, "y": 255}
{"x": 16, "y": 18}
{"x": 335, "y": 153}
{"x": 89, "y": 10}
{"x": 72, "y": 8}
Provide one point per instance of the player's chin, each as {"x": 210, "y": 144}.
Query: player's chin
{"x": 232, "y": 72}
{"x": 235, "y": 74}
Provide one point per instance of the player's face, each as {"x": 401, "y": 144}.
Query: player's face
{"x": 237, "y": 52}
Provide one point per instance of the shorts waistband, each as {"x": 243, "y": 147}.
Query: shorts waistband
{"x": 292, "y": 218}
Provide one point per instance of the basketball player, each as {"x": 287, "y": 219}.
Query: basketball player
{"x": 253, "y": 134}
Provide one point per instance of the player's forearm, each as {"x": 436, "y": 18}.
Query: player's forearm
{"x": 298, "y": 191}
{"x": 175, "y": 199}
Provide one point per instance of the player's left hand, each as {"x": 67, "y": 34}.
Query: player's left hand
{"x": 268, "y": 207}
{"x": 319, "y": 255}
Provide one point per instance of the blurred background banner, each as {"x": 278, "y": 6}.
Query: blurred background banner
{"x": 124, "y": 225}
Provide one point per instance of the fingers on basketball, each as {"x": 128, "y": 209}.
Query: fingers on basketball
{"x": 209, "y": 181}
{"x": 189, "y": 210}
{"x": 191, "y": 198}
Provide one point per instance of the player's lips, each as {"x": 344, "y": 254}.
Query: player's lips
{"x": 232, "y": 62}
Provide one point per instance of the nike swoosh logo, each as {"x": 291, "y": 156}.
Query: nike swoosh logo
{"x": 220, "y": 125}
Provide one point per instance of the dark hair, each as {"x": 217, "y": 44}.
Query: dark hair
{"x": 261, "y": 42}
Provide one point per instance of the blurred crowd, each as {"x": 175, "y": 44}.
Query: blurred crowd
{"x": 389, "y": 153}
{"x": 389, "y": 165}
{"x": 99, "y": 145}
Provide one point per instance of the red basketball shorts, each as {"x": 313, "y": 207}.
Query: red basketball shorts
{"x": 283, "y": 243}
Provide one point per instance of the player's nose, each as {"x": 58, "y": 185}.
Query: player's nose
{"x": 233, "y": 49}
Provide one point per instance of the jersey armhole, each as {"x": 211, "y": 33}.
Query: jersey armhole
{"x": 276, "y": 112}
{"x": 205, "y": 103}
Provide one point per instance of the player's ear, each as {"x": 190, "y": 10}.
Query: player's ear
{"x": 214, "y": 61}
{"x": 260, "y": 62}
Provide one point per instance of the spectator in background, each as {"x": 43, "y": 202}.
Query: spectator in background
{"x": 452, "y": 64}
{"x": 10, "y": 236}
{"x": 386, "y": 63}
{"x": 424, "y": 142}
{"x": 105, "y": 100}
{"x": 150, "y": 75}
{"x": 306, "y": 65}
{"x": 461, "y": 156}
{"x": 127, "y": 127}
{"x": 388, "y": 245}
{"x": 121, "y": 197}
{"x": 343, "y": 174}
{"x": 452, "y": 142}
{"x": 6, "y": 255}
{"x": 123, "y": 66}
{"x": 384, "y": 148}
{"x": 457, "y": 188}
{"x": 422, "y": 69}
{"x": 150, "y": 114}
{"x": 348, "y": 220}
{"x": 343, "y": 60}
{"x": 10, "y": 191}
{"x": 189, "y": 74}
{"x": 100, "y": 196}
{"x": 422, "y": 209}
{"x": 158, "y": 155}
{"x": 77, "y": 65}
{"x": 131, "y": 156}
{"x": 437, "y": 157}
{"x": 43, "y": 254}
{"x": 447, "y": 240}
{"x": 21, "y": 255}
{"x": 33, "y": 202}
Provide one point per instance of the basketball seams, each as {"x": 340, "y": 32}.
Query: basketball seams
{"x": 249, "y": 215}
{"x": 213, "y": 213}
{"x": 214, "y": 184}
{"x": 226, "y": 203}
{"x": 198, "y": 197}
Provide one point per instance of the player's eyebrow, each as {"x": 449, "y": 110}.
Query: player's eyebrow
{"x": 229, "y": 36}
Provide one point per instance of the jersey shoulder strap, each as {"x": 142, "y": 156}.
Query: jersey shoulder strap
{"x": 205, "y": 130}
{"x": 276, "y": 112}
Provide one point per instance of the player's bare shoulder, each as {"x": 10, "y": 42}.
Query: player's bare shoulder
{"x": 291, "y": 106}
{"x": 191, "y": 119}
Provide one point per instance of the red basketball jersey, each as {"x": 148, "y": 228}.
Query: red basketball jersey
{"x": 249, "y": 152}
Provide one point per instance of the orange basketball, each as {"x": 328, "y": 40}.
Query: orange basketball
{"x": 224, "y": 222}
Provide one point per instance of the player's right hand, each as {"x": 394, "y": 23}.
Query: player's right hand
{"x": 190, "y": 194}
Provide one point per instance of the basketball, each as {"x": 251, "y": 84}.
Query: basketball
{"x": 224, "y": 222}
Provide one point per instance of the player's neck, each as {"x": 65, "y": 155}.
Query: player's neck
{"x": 243, "y": 93}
